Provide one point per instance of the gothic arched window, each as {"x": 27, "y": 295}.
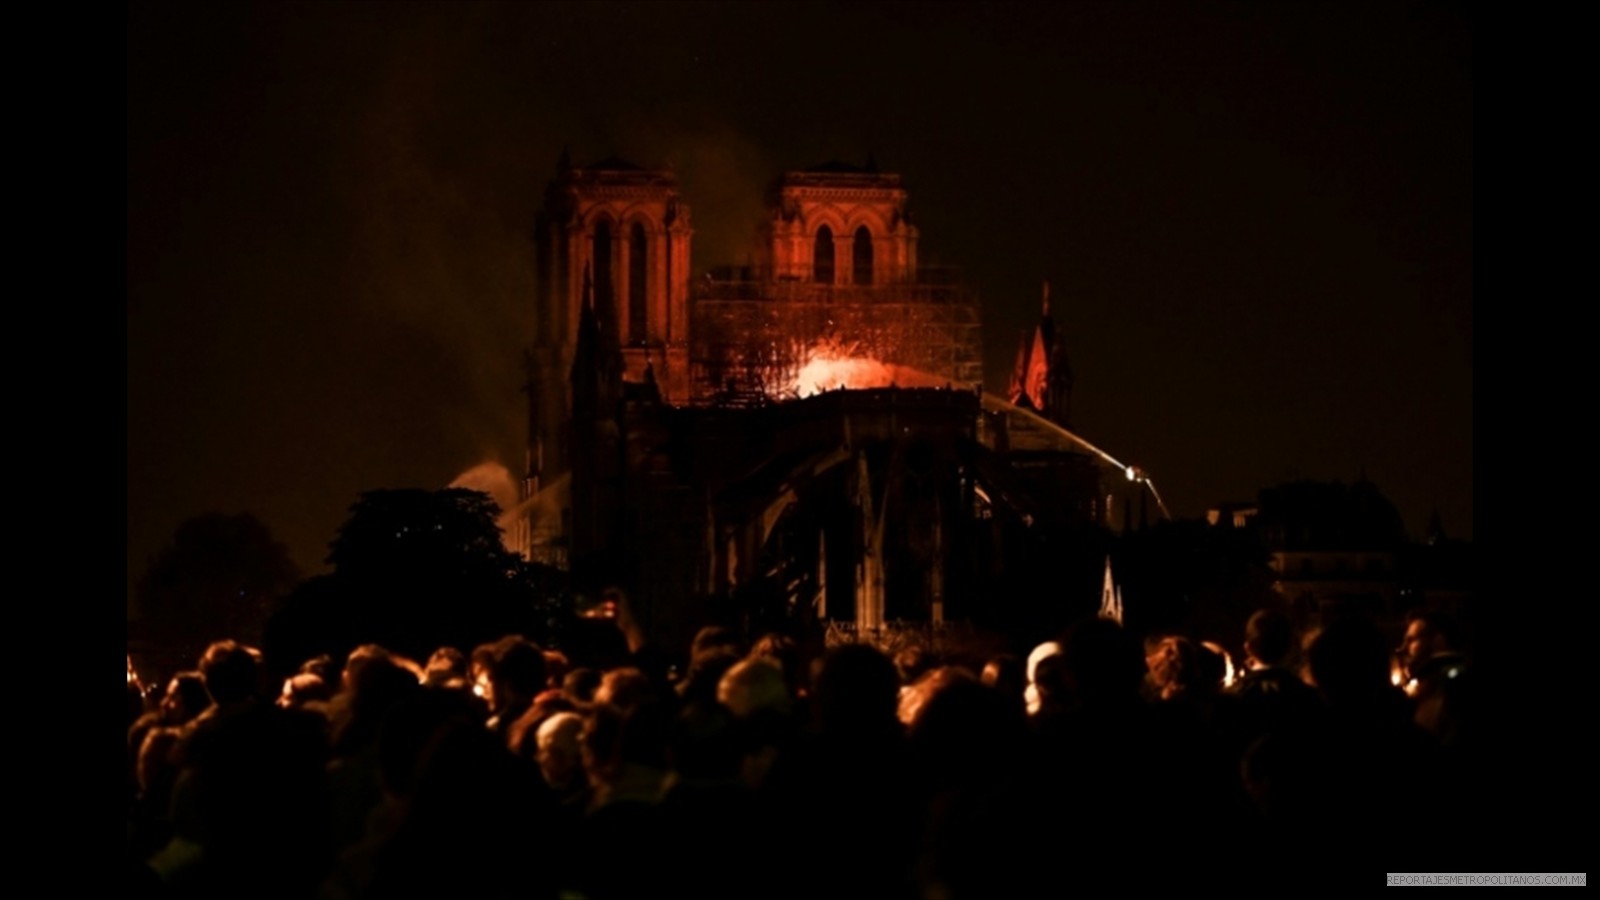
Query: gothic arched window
{"x": 638, "y": 298}
{"x": 822, "y": 256}
{"x": 862, "y": 256}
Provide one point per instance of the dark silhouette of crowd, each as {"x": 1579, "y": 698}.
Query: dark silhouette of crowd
{"x": 767, "y": 769}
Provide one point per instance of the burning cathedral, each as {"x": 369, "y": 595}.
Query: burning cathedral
{"x": 806, "y": 436}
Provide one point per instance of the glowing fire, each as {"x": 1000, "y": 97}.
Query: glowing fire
{"x": 826, "y": 371}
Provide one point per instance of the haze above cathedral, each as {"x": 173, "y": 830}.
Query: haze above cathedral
{"x": 1256, "y": 225}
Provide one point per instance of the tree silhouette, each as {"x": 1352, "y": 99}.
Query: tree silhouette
{"x": 413, "y": 570}
{"x": 412, "y": 533}
{"x": 218, "y": 577}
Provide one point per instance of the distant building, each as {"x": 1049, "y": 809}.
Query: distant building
{"x": 1332, "y": 547}
{"x": 1233, "y": 515}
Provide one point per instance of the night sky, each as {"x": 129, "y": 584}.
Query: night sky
{"x": 1257, "y": 219}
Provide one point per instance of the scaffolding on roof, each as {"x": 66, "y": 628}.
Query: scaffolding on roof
{"x": 754, "y": 334}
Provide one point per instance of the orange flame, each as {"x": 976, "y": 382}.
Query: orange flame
{"x": 825, "y": 371}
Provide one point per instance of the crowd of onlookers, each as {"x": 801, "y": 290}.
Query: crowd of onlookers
{"x": 764, "y": 770}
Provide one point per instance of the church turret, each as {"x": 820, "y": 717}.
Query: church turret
{"x": 595, "y": 429}
{"x": 1042, "y": 379}
{"x": 597, "y": 364}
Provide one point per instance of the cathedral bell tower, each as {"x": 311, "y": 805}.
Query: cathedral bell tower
{"x": 627, "y": 227}
{"x": 841, "y": 225}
